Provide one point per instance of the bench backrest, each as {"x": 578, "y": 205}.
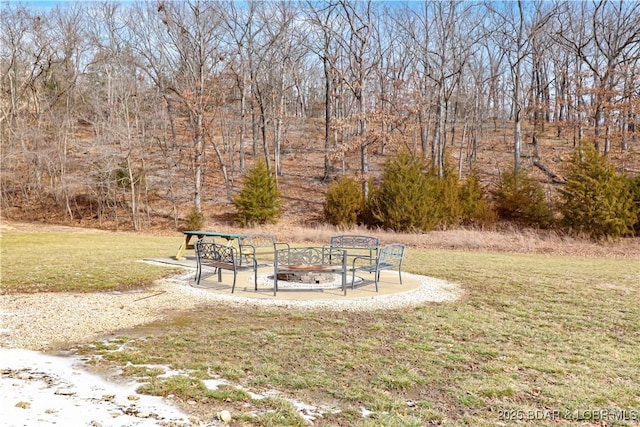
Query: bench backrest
{"x": 391, "y": 255}
{"x": 355, "y": 242}
{"x": 213, "y": 252}
{"x": 255, "y": 248}
{"x": 357, "y": 246}
{"x": 258, "y": 241}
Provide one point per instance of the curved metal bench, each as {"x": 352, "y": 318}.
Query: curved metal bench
{"x": 357, "y": 246}
{"x": 223, "y": 257}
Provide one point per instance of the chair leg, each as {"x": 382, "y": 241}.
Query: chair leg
{"x": 344, "y": 282}
{"x": 199, "y": 273}
{"x": 233, "y": 287}
{"x": 275, "y": 284}
{"x": 255, "y": 275}
{"x": 219, "y": 275}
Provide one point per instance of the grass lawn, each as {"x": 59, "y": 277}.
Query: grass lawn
{"x": 549, "y": 340}
{"x": 79, "y": 261}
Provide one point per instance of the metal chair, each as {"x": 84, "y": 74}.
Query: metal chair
{"x": 389, "y": 258}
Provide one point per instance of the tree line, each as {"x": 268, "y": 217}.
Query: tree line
{"x": 208, "y": 83}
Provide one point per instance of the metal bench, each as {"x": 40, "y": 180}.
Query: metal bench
{"x": 389, "y": 258}
{"x": 357, "y": 246}
{"x": 222, "y": 257}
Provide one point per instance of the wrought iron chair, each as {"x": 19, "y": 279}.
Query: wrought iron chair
{"x": 389, "y": 258}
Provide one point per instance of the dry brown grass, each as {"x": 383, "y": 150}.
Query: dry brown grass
{"x": 536, "y": 338}
{"x": 526, "y": 241}
{"x": 506, "y": 241}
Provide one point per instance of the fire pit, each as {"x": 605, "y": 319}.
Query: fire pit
{"x": 307, "y": 277}
{"x": 310, "y": 267}
{"x": 310, "y": 281}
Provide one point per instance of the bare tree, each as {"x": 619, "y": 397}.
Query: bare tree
{"x": 394, "y": 63}
{"x": 240, "y": 27}
{"x": 320, "y": 43}
{"x": 47, "y": 51}
{"x": 159, "y": 97}
{"x": 414, "y": 27}
{"x": 357, "y": 43}
{"x": 278, "y": 50}
{"x": 118, "y": 107}
{"x": 514, "y": 29}
{"x": 190, "y": 40}
{"x": 443, "y": 39}
{"x": 24, "y": 64}
{"x": 605, "y": 45}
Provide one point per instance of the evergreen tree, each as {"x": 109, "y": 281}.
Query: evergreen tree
{"x": 344, "y": 202}
{"x": 596, "y": 200}
{"x": 406, "y": 199}
{"x": 259, "y": 200}
{"x": 477, "y": 209}
{"x": 521, "y": 199}
{"x": 634, "y": 185}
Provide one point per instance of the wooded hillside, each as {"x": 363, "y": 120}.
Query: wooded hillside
{"x": 129, "y": 115}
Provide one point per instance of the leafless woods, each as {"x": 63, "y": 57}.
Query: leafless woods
{"x": 113, "y": 108}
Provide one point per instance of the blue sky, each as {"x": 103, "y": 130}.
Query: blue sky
{"x": 43, "y": 4}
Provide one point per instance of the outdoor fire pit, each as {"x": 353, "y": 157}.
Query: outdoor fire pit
{"x": 307, "y": 277}
{"x": 309, "y": 268}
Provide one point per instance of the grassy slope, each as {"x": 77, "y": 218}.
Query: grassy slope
{"x": 533, "y": 334}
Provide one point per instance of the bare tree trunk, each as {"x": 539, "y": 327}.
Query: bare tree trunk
{"x": 328, "y": 119}
{"x": 437, "y": 149}
{"x": 463, "y": 140}
{"x": 133, "y": 199}
{"x": 278, "y": 129}
{"x": 241, "y": 128}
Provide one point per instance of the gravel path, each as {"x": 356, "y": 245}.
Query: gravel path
{"x": 49, "y": 321}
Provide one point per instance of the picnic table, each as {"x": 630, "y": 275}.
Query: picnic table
{"x": 229, "y": 237}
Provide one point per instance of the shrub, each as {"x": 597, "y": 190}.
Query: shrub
{"x": 411, "y": 198}
{"x": 371, "y": 213}
{"x": 634, "y": 187}
{"x": 476, "y": 208}
{"x": 448, "y": 202}
{"x": 521, "y": 199}
{"x": 195, "y": 220}
{"x": 344, "y": 202}
{"x": 259, "y": 200}
{"x": 405, "y": 201}
{"x": 596, "y": 200}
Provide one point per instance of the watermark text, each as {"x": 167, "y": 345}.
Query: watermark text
{"x": 573, "y": 415}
